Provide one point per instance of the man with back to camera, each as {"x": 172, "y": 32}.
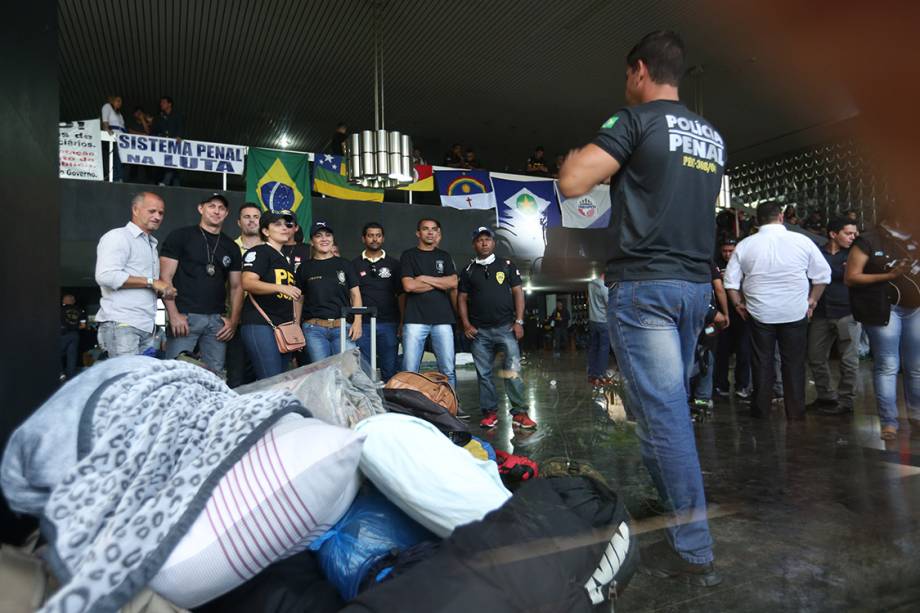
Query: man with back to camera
{"x": 429, "y": 279}
{"x": 833, "y": 322}
{"x": 380, "y": 281}
{"x": 490, "y": 303}
{"x": 767, "y": 280}
{"x": 598, "y": 332}
{"x": 666, "y": 165}
{"x": 201, "y": 261}
{"x": 239, "y": 367}
{"x": 128, "y": 271}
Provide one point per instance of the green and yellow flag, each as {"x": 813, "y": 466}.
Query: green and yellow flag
{"x": 280, "y": 180}
{"x": 330, "y": 178}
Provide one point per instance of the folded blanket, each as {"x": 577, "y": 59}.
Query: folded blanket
{"x": 152, "y": 444}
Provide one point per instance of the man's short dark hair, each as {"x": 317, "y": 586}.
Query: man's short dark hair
{"x": 418, "y": 226}
{"x": 768, "y": 211}
{"x": 663, "y": 55}
{"x": 167, "y": 99}
{"x": 249, "y": 205}
{"x": 369, "y": 225}
{"x": 837, "y": 224}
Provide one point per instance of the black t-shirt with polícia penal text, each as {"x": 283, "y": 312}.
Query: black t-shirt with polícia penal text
{"x": 490, "y": 302}
{"x": 663, "y": 197}
{"x": 433, "y": 307}
{"x": 326, "y": 286}
{"x": 272, "y": 267}
{"x": 381, "y": 285}
{"x": 194, "y": 248}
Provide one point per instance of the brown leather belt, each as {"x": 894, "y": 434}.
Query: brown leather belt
{"x": 325, "y": 323}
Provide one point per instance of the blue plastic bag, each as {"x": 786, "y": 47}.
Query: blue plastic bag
{"x": 372, "y": 528}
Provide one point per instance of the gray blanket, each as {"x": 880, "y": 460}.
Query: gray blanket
{"x": 151, "y": 444}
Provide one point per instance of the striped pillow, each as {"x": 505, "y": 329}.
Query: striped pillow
{"x": 287, "y": 490}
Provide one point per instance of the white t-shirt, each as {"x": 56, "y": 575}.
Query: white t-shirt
{"x": 113, "y": 118}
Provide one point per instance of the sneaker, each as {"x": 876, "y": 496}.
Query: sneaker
{"x": 660, "y": 560}
{"x": 819, "y": 404}
{"x": 743, "y": 393}
{"x": 721, "y": 393}
{"x": 702, "y": 404}
{"x": 889, "y": 433}
{"x": 490, "y": 420}
{"x": 522, "y": 420}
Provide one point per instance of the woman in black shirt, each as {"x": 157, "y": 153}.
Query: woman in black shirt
{"x": 328, "y": 283}
{"x": 268, "y": 277}
{"x": 883, "y": 272}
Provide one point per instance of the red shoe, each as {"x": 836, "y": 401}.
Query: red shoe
{"x": 521, "y": 420}
{"x": 490, "y": 420}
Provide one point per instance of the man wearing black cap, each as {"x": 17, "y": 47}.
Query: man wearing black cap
{"x": 429, "y": 277}
{"x": 200, "y": 261}
{"x": 491, "y": 308}
{"x": 381, "y": 286}
{"x": 328, "y": 283}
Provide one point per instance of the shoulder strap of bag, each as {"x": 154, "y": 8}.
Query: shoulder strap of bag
{"x": 261, "y": 312}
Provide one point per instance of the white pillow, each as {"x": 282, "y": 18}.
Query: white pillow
{"x": 435, "y": 482}
{"x": 287, "y": 490}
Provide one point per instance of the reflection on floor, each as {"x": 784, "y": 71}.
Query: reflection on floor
{"x": 818, "y": 516}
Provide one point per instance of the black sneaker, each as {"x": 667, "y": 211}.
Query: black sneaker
{"x": 819, "y": 404}
{"x": 660, "y": 560}
{"x": 834, "y": 409}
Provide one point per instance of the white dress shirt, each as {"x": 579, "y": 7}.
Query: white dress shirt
{"x": 772, "y": 269}
{"x": 122, "y": 253}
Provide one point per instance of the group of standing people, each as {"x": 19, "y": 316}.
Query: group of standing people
{"x": 167, "y": 123}
{"x": 225, "y": 298}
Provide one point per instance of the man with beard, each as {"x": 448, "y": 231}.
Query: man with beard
{"x": 380, "y": 281}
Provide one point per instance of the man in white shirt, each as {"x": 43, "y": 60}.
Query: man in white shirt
{"x": 127, "y": 271}
{"x": 767, "y": 280}
{"x": 113, "y": 122}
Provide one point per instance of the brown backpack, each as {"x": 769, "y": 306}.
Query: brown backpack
{"x": 434, "y": 385}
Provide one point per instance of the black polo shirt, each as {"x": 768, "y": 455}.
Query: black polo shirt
{"x": 381, "y": 284}
{"x": 193, "y": 248}
{"x": 272, "y": 267}
{"x": 663, "y": 198}
{"x": 490, "y": 302}
{"x": 326, "y": 286}
{"x": 434, "y": 307}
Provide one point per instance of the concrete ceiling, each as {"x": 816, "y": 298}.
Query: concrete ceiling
{"x": 498, "y": 76}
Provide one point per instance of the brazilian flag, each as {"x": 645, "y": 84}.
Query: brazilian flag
{"x": 278, "y": 181}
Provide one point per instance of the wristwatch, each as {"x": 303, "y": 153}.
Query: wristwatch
{"x": 149, "y": 282}
{"x": 519, "y": 322}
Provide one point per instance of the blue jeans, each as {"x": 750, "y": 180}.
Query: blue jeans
{"x": 654, "y": 327}
{"x": 202, "y": 332}
{"x": 387, "y": 345}
{"x": 323, "y": 342}
{"x": 442, "y": 340}
{"x": 484, "y": 346}
{"x": 894, "y": 346}
{"x": 262, "y": 349}
{"x": 70, "y": 346}
{"x": 123, "y": 339}
{"x": 598, "y": 349}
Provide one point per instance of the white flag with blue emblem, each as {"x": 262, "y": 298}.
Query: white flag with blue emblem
{"x": 591, "y": 210}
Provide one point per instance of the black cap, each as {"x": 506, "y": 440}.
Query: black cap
{"x": 219, "y": 197}
{"x": 320, "y": 226}
{"x": 269, "y": 217}
{"x": 482, "y": 230}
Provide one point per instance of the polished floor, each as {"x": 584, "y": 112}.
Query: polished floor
{"x": 813, "y": 516}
